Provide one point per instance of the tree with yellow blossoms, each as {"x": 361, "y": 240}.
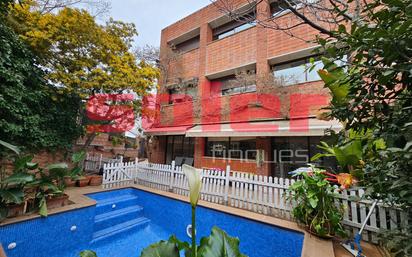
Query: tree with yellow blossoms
{"x": 81, "y": 56}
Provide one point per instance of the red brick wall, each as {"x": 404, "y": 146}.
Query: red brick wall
{"x": 280, "y": 43}
{"x": 231, "y": 52}
{"x": 157, "y": 150}
{"x": 45, "y": 158}
{"x": 235, "y": 165}
{"x": 102, "y": 145}
{"x": 255, "y": 45}
{"x": 186, "y": 66}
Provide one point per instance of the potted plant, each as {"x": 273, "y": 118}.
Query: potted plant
{"x": 47, "y": 193}
{"x": 83, "y": 181}
{"x": 77, "y": 171}
{"x": 56, "y": 196}
{"x": 48, "y": 188}
{"x": 68, "y": 181}
{"x": 12, "y": 200}
{"x": 314, "y": 204}
{"x": 96, "y": 180}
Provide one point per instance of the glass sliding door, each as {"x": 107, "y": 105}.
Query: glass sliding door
{"x": 179, "y": 146}
{"x": 291, "y": 153}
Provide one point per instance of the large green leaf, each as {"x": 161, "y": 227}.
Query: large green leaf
{"x": 21, "y": 163}
{"x": 180, "y": 244}
{"x": 77, "y": 171}
{"x": 57, "y": 166}
{"x": 19, "y": 178}
{"x": 32, "y": 165}
{"x": 313, "y": 202}
{"x": 78, "y": 157}
{"x": 11, "y": 147}
{"x": 43, "y": 207}
{"x": 12, "y": 195}
{"x": 88, "y": 253}
{"x": 161, "y": 249}
{"x": 219, "y": 244}
{"x": 333, "y": 78}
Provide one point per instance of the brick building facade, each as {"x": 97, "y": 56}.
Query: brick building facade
{"x": 238, "y": 94}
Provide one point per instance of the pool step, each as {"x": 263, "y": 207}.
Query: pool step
{"x": 112, "y": 218}
{"x": 115, "y": 203}
{"x": 119, "y": 228}
{"x": 117, "y": 214}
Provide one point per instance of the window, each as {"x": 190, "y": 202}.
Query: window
{"x": 188, "y": 45}
{"x": 291, "y": 153}
{"x": 277, "y": 8}
{"x": 296, "y": 72}
{"x": 231, "y": 85}
{"x": 179, "y": 146}
{"x": 130, "y": 142}
{"x": 233, "y": 27}
{"x": 235, "y": 148}
{"x": 185, "y": 93}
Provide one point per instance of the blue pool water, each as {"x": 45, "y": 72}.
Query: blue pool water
{"x": 125, "y": 221}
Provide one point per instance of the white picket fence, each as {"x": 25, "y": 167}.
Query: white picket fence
{"x": 93, "y": 163}
{"x": 255, "y": 193}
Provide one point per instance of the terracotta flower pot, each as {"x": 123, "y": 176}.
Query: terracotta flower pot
{"x": 15, "y": 210}
{"x": 96, "y": 180}
{"x": 69, "y": 182}
{"x": 89, "y": 177}
{"x": 82, "y": 182}
{"x": 58, "y": 201}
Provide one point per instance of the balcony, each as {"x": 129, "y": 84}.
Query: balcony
{"x": 231, "y": 52}
{"x": 186, "y": 65}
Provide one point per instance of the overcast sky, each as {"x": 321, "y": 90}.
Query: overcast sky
{"x": 151, "y": 16}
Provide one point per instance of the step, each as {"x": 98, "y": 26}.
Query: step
{"x": 110, "y": 194}
{"x": 119, "y": 202}
{"x": 113, "y": 218}
{"x": 119, "y": 228}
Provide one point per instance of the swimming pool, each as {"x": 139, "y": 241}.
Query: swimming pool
{"x": 125, "y": 221}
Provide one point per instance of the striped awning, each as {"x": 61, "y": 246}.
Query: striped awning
{"x": 277, "y": 128}
{"x": 167, "y": 131}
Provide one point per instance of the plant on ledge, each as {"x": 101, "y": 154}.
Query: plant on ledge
{"x": 12, "y": 185}
{"x": 314, "y": 204}
{"x": 28, "y": 187}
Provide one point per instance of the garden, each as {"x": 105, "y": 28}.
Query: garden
{"x": 53, "y": 62}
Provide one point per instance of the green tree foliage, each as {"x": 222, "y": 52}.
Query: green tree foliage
{"x": 32, "y": 115}
{"x": 83, "y": 57}
{"x": 373, "y": 92}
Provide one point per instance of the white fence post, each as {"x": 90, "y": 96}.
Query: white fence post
{"x": 100, "y": 161}
{"x": 227, "y": 180}
{"x": 135, "y": 177}
{"x": 172, "y": 176}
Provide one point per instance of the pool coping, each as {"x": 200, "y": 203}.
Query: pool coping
{"x": 312, "y": 245}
